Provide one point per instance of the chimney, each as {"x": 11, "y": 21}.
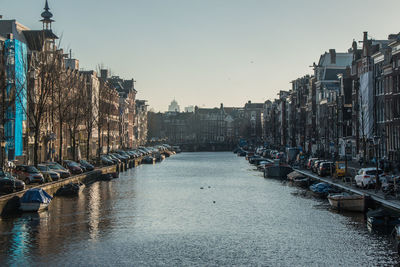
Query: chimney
{"x": 365, "y": 36}
{"x": 354, "y": 46}
{"x": 104, "y": 74}
{"x": 222, "y": 105}
{"x": 332, "y": 52}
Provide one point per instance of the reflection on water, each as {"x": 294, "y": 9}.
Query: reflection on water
{"x": 94, "y": 211}
{"x": 159, "y": 215}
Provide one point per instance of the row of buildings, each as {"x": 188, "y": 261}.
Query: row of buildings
{"x": 349, "y": 106}
{"x": 52, "y": 109}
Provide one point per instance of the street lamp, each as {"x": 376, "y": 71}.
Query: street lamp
{"x": 376, "y": 140}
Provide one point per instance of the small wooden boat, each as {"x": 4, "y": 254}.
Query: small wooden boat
{"x": 348, "y": 202}
{"x": 277, "y": 171}
{"x": 382, "y": 220}
{"x": 295, "y": 175}
{"x": 35, "y": 200}
{"x": 160, "y": 157}
{"x": 71, "y": 189}
{"x": 302, "y": 182}
{"x": 148, "y": 160}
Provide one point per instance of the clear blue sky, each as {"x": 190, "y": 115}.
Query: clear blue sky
{"x": 204, "y": 52}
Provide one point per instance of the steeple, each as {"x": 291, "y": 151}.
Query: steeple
{"x": 46, "y": 15}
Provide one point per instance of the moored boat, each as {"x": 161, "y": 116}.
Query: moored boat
{"x": 160, "y": 157}
{"x": 295, "y": 175}
{"x": 148, "y": 160}
{"x": 277, "y": 171}
{"x": 344, "y": 201}
{"x": 302, "y": 182}
{"x": 321, "y": 190}
{"x": 382, "y": 220}
{"x": 34, "y": 200}
{"x": 71, "y": 189}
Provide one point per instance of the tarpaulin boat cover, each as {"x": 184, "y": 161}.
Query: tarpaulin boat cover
{"x": 36, "y": 195}
{"x": 321, "y": 188}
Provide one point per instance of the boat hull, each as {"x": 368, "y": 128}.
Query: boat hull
{"x": 279, "y": 172}
{"x": 351, "y": 203}
{"x": 33, "y": 207}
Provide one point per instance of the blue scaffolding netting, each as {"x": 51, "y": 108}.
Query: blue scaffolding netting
{"x": 16, "y": 68}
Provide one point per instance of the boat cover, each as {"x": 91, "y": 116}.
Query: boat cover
{"x": 36, "y": 195}
{"x": 382, "y": 213}
{"x": 321, "y": 188}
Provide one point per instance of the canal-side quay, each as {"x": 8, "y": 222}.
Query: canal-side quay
{"x": 9, "y": 202}
{"x": 373, "y": 199}
{"x": 378, "y": 198}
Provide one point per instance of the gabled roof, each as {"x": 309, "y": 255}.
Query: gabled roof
{"x": 342, "y": 60}
{"x": 35, "y": 39}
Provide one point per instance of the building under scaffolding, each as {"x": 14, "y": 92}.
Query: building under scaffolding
{"x": 15, "y": 97}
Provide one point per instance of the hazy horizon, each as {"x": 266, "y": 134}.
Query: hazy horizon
{"x": 207, "y": 52}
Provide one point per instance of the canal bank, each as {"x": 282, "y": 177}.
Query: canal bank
{"x": 374, "y": 199}
{"x": 378, "y": 198}
{"x": 9, "y": 203}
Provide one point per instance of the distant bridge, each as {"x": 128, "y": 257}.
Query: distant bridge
{"x": 198, "y": 147}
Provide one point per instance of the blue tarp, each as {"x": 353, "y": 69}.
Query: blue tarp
{"x": 36, "y": 195}
{"x": 321, "y": 188}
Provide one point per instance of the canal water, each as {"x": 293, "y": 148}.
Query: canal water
{"x": 206, "y": 209}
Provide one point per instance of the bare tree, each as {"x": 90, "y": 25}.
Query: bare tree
{"x": 90, "y": 112}
{"x": 107, "y": 112}
{"x": 45, "y": 69}
{"x": 74, "y": 117}
{"x": 63, "y": 100}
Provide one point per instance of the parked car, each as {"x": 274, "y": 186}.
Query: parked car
{"x": 120, "y": 157}
{"x": 124, "y": 153}
{"x": 73, "y": 167}
{"x": 365, "y": 177}
{"x": 29, "y": 174}
{"x": 54, "y": 166}
{"x": 9, "y": 184}
{"x": 326, "y": 168}
{"x": 48, "y": 173}
{"x": 316, "y": 165}
{"x": 113, "y": 158}
{"x": 310, "y": 163}
{"x": 106, "y": 161}
{"x": 87, "y": 165}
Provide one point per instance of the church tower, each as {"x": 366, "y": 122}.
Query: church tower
{"x": 46, "y": 15}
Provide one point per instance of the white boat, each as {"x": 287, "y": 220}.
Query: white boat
{"x": 348, "y": 202}
{"x": 33, "y": 207}
{"x": 35, "y": 200}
